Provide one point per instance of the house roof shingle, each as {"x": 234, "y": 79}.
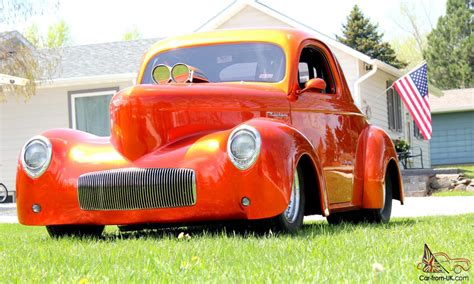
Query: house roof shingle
{"x": 453, "y": 101}
{"x": 100, "y": 59}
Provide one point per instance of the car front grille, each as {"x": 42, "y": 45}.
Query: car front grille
{"x": 134, "y": 188}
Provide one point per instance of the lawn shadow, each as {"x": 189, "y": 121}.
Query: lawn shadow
{"x": 324, "y": 228}
{"x": 248, "y": 230}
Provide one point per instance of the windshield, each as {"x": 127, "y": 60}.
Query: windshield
{"x": 252, "y": 62}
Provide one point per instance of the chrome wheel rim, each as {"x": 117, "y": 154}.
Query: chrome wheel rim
{"x": 291, "y": 212}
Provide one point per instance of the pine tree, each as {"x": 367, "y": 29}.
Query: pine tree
{"x": 360, "y": 34}
{"x": 450, "y": 50}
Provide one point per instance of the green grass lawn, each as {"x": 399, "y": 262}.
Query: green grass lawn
{"x": 468, "y": 169}
{"x": 454, "y": 193}
{"x": 318, "y": 253}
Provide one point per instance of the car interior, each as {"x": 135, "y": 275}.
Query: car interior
{"x": 313, "y": 64}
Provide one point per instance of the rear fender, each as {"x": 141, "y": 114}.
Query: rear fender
{"x": 375, "y": 152}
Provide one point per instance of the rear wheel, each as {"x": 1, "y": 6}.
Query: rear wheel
{"x": 347, "y": 217}
{"x": 369, "y": 215}
{"x": 381, "y": 215}
{"x": 292, "y": 218}
{"x": 83, "y": 231}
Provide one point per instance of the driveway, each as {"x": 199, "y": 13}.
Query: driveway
{"x": 8, "y": 213}
{"x": 414, "y": 207}
{"x": 427, "y": 206}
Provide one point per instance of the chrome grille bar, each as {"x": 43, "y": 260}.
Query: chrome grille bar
{"x": 134, "y": 188}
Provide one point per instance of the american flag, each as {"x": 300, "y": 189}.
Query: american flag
{"x": 413, "y": 89}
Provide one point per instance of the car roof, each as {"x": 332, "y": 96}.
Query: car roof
{"x": 278, "y": 36}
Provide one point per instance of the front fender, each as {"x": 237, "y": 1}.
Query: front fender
{"x": 282, "y": 148}
{"x": 377, "y": 150}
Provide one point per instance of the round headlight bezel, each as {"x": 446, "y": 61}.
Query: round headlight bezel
{"x": 243, "y": 164}
{"x": 35, "y": 172}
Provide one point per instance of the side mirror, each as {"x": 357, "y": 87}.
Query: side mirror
{"x": 315, "y": 84}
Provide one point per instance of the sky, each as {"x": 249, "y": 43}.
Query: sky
{"x": 95, "y": 21}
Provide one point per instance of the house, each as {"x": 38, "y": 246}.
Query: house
{"x": 453, "y": 127}
{"x": 90, "y": 74}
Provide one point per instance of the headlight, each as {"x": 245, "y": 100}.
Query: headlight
{"x": 36, "y": 156}
{"x": 243, "y": 146}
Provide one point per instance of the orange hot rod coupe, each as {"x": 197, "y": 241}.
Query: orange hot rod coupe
{"x": 224, "y": 125}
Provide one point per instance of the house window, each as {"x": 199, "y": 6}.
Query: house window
{"x": 416, "y": 131}
{"x": 90, "y": 111}
{"x": 394, "y": 109}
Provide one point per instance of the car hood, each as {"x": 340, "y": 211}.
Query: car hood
{"x": 147, "y": 117}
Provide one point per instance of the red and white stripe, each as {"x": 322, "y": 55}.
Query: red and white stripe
{"x": 417, "y": 105}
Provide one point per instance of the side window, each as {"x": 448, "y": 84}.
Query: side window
{"x": 313, "y": 64}
{"x": 394, "y": 109}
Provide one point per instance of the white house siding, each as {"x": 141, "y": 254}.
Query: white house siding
{"x": 21, "y": 120}
{"x": 250, "y": 17}
{"x": 425, "y": 147}
{"x": 349, "y": 65}
{"x": 373, "y": 95}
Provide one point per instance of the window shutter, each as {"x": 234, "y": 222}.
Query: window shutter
{"x": 398, "y": 111}
{"x": 390, "y": 107}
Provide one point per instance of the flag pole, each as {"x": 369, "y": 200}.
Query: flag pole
{"x": 391, "y": 86}
{"x": 385, "y": 91}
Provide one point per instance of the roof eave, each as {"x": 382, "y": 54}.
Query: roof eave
{"x": 451, "y": 110}
{"x": 77, "y": 81}
{"x": 237, "y": 6}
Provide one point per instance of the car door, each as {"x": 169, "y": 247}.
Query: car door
{"x": 322, "y": 117}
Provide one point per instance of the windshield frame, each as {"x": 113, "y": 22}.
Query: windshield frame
{"x": 146, "y": 69}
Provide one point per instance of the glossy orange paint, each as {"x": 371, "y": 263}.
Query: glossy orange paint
{"x": 188, "y": 125}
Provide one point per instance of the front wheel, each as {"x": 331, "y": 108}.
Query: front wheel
{"x": 292, "y": 218}
{"x": 82, "y": 231}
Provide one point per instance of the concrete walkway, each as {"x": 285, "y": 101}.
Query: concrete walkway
{"x": 427, "y": 206}
{"x": 8, "y": 213}
{"x": 414, "y": 207}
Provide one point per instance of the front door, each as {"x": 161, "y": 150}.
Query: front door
{"x": 320, "y": 116}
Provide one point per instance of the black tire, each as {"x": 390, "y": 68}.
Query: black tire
{"x": 368, "y": 215}
{"x": 3, "y": 193}
{"x": 353, "y": 217}
{"x": 81, "y": 231}
{"x": 292, "y": 218}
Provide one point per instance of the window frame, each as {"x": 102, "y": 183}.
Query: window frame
{"x": 331, "y": 80}
{"x": 152, "y": 60}
{"x": 73, "y": 95}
